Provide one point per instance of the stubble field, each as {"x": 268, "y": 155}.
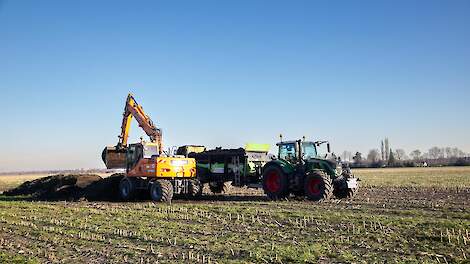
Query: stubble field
{"x": 399, "y": 215}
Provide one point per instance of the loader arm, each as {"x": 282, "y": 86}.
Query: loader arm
{"x": 133, "y": 109}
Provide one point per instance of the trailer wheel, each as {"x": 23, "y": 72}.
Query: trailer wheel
{"x": 161, "y": 191}
{"x": 195, "y": 188}
{"x": 127, "y": 188}
{"x": 218, "y": 187}
{"x": 318, "y": 186}
{"x": 275, "y": 183}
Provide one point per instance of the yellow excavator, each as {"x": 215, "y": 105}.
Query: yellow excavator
{"x": 148, "y": 167}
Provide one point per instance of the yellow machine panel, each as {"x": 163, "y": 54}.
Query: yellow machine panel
{"x": 165, "y": 167}
{"x": 176, "y": 167}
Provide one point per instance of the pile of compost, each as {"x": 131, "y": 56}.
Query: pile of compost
{"x": 70, "y": 187}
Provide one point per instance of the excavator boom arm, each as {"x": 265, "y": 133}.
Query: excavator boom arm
{"x": 133, "y": 109}
{"x": 114, "y": 157}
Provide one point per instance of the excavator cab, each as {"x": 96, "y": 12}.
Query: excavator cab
{"x": 133, "y": 155}
{"x": 126, "y": 158}
{"x": 137, "y": 151}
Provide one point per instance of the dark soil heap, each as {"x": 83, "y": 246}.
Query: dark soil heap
{"x": 70, "y": 187}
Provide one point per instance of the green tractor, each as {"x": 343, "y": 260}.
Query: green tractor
{"x": 300, "y": 170}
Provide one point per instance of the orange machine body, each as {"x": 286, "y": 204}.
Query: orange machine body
{"x": 164, "y": 167}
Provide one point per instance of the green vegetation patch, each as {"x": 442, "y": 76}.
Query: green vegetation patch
{"x": 452, "y": 177}
{"x": 6, "y": 258}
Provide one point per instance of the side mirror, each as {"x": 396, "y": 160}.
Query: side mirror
{"x": 328, "y": 147}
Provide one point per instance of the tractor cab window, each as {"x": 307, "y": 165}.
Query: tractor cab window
{"x": 287, "y": 151}
{"x": 308, "y": 150}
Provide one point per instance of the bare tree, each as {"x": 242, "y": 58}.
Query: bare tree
{"x": 357, "y": 157}
{"x": 442, "y": 153}
{"x": 435, "y": 153}
{"x": 426, "y": 155}
{"x": 448, "y": 152}
{"x": 387, "y": 149}
{"x": 382, "y": 150}
{"x": 400, "y": 154}
{"x": 373, "y": 156}
{"x": 346, "y": 156}
{"x": 415, "y": 154}
{"x": 457, "y": 153}
{"x": 391, "y": 158}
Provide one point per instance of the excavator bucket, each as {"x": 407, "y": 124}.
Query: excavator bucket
{"x": 114, "y": 158}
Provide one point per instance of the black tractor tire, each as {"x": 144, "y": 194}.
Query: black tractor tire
{"x": 161, "y": 191}
{"x": 194, "y": 189}
{"x": 127, "y": 187}
{"x": 299, "y": 193}
{"x": 275, "y": 183}
{"x": 218, "y": 187}
{"x": 318, "y": 186}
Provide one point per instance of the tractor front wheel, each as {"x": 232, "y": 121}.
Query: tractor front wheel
{"x": 275, "y": 183}
{"x": 161, "y": 191}
{"x": 318, "y": 186}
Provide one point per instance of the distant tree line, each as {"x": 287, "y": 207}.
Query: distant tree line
{"x": 387, "y": 157}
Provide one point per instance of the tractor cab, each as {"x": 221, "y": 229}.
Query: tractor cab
{"x": 295, "y": 151}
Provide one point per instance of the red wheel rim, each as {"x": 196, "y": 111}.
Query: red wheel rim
{"x": 273, "y": 181}
{"x": 314, "y": 186}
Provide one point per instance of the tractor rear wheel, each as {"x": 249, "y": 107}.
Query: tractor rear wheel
{"x": 127, "y": 188}
{"x": 195, "y": 188}
{"x": 275, "y": 183}
{"x": 161, "y": 191}
{"x": 318, "y": 186}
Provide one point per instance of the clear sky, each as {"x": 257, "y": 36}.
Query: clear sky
{"x": 222, "y": 73}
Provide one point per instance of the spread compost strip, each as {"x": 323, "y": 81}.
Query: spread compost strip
{"x": 70, "y": 187}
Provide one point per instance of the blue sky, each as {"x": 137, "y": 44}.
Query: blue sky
{"x": 222, "y": 73}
